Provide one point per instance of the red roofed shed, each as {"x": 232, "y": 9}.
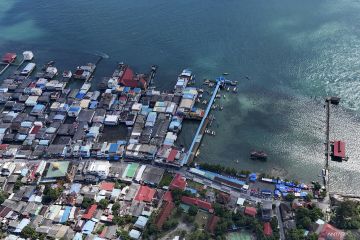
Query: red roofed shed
{"x": 90, "y": 211}
{"x": 4, "y": 146}
{"x": 267, "y": 229}
{"x": 250, "y": 211}
{"x": 211, "y": 225}
{"x": 168, "y": 197}
{"x": 107, "y": 186}
{"x": 339, "y": 149}
{"x": 179, "y": 182}
{"x": 330, "y": 232}
{"x": 197, "y": 202}
{"x": 145, "y": 194}
{"x": 164, "y": 213}
{"x": 172, "y": 155}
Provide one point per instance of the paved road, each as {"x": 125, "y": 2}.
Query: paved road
{"x": 280, "y": 222}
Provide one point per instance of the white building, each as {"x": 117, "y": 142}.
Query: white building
{"x": 99, "y": 168}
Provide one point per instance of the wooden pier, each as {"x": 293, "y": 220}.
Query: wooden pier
{"x": 201, "y": 129}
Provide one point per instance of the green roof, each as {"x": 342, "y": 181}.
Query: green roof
{"x": 57, "y": 169}
{"x": 131, "y": 170}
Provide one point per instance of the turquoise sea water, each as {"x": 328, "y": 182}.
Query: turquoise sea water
{"x": 294, "y": 52}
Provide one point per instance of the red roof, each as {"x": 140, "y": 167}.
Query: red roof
{"x": 168, "y": 197}
{"x": 179, "y": 182}
{"x": 4, "y": 146}
{"x": 251, "y": 211}
{"x": 330, "y": 232}
{"x": 9, "y": 57}
{"x": 212, "y": 223}
{"x": 267, "y": 229}
{"x": 339, "y": 149}
{"x": 196, "y": 202}
{"x": 128, "y": 74}
{"x": 89, "y": 213}
{"x": 103, "y": 232}
{"x": 35, "y": 129}
{"x": 107, "y": 186}
{"x": 164, "y": 213}
{"x": 145, "y": 194}
{"x": 172, "y": 155}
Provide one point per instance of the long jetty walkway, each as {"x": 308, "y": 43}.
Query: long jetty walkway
{"x": 201, "y": 129}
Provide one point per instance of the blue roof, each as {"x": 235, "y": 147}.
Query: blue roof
{"x": 121, "y": 142}
{"x": 137, "y": 90}
{"x": 188, "y": 96}
{"x": 74, "y": 108}
{"x": 23, "y": 223}
{"x": 80, "y": 95}
{"x": 75, "y": 188}
{"x": 113, "y": 148}
{"x": 78, "y": 236}
{"x": 93, "y": 104}
{"x": 212, "y": 175}
{"x": 24, "y": 172}
{"x": 66, "y": 214}
{"x": 39, "y": 107}
{"x": 88, "y": 227}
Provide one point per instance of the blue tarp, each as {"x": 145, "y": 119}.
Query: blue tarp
{"x": 80, "y": 95}
{"x": 66, "y": 214}
{"x": 93, "y": 104}
{"x": 303, "y": 194}
{"x": 252, "y": 177}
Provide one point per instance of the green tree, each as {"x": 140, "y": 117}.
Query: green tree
{"x": 347, "y": 215}
{"x": 193, "y": 210}
{"x": 308, "y": 197}
{"x": 29, "y": 233}
{"x": 295, "y": 234}
{"x": 3, "y": 196}
{"x": 18, "y": 184}
{"x": 317, "y": 186}
{"x": 87, "y": 202}
{"x": 122, "y": 234}
{"x": 115, "y": 208}
{"x": 103, "y": 203}
{"x": 290, "y": 197}
{"x": 350, "y": 236}
{"x": 51, "y": 194}
{"x": 170, "y": 224}
{"x": 189, "y": 219}
{"x": 315, "y": 214}
{"x": 199, "y": 235}
{"x": 312, "y": 236}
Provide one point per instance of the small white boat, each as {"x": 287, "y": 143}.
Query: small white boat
{"x": 28, "y": 55}
{"x": 67, "y": 74}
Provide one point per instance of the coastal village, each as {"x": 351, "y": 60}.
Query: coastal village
{"x": 67, "y": 173}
